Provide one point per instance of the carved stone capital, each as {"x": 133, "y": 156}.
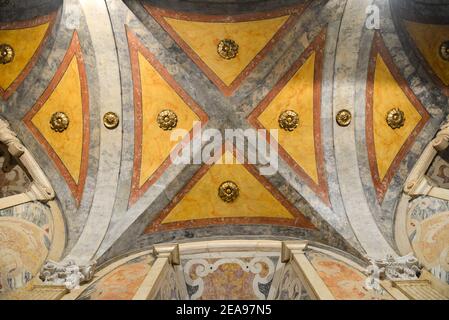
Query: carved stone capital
{"x": 67, "y": 273}
{"x": 170, "y": 251}
{"x": 290, "y": 247}
{"x": 392, "y": 269}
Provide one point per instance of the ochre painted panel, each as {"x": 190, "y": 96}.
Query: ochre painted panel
{"x": 158, "y": 95}
{"x": 428, "y": 39}
{"x": 204, "y": 37}
{"x": 25, "y": 42}
{"x": 299, "y": 90}
{"x": 297, "y": 95}
{"x": 388, "y": 95}
{"x": 387, "y": 90}
{"x": 67, "y": 92}
{"x": 203, "y": 202}
{"x": 155, "y": 90}
{"x": 255, "y": 33}
{"x": 65, "y": 98}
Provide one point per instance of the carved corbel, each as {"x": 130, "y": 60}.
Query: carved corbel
{"x": 67, "y": 273}
{"x": 15, "y": 152}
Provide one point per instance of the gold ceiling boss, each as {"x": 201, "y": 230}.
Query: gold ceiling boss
{"x": 59, "y": 121}
{"x": 228, "y": 191}
{"x": 6, "y": 53}
{"x": 344, "y": 118}
{"x": 111, "y": 120}
{"x": 167, "y": 120}
{"x": 288, "y": 120}
{"x": 395, "y": 118}
{"x": 228, "y": 49}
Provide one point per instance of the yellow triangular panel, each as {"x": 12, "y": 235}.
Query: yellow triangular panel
{"x": 158, "y": 95}
{"x": 297, "y": 95}
{"x": 203, "y": 38}
{"x": 386, "y": 96}
{"x": 25, "y": 42}
{"x": 68, "y": 145}
{"x": 203, "y": 202}
{"x": 428, "y": 38}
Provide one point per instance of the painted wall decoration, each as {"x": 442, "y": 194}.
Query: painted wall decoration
{"x": 30, "y": 231}
{"x": 169, "y": 289}
{"x": 23, "y": 249}
{"x": 290, "y": 286}
{"x": 34, "y": 212}
{"x": 26, "y": 233}
{"x": 121, "y": 283}
{"x": 428, "y": 231}
{"x": 439, "y": 171}
{"x": 12, "y": 182}
{"x": 343, "y": 280}
{"x": 243, "y": 276}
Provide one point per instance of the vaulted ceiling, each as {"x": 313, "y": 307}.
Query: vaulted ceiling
{"x": 337, "y": 182}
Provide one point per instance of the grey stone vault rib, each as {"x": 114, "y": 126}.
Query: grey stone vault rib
{"x": 97, "y": 18}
